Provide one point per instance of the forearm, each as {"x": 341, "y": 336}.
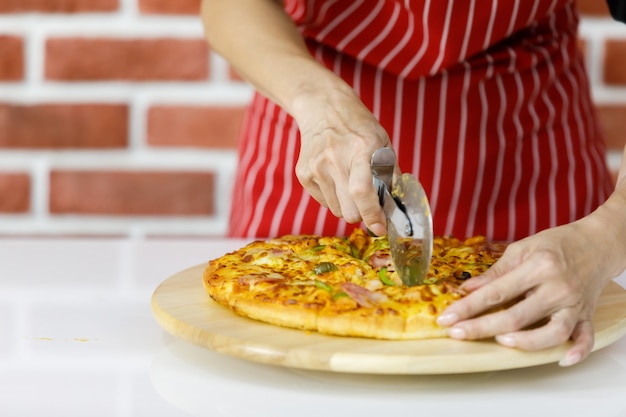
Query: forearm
{"x": 262, "y": 43}
{"x": 611, "y": 223}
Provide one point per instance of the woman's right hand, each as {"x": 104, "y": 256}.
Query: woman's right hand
{"x": 338, "y": 138}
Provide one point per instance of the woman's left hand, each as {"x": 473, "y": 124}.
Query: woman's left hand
{"x": 541, "y": 293}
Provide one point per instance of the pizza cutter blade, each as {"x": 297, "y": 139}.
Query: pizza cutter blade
{"x": 409, "y": 219}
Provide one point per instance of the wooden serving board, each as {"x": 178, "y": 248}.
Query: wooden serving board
{"x": 183, "y": 308}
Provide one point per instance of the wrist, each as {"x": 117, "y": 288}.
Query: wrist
{"x": 317, "y": 91}
{"x": 608, "y": 223}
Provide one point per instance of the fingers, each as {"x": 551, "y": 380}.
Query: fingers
{"x": 506, "y": 321}
{"x": 348, "y": 194}
{"x": 561, "y": 327}
{"x": 506, "y": 304}
{"x": 480, "y": 281}
{"x": 486, "y": 293}
{"x": 343, "y": 183}
{"x": 555, "y": 332}
{"x": 324, "y": 191}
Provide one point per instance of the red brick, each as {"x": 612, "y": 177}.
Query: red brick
{"x": 100, "y": 59}
{"x": 134, "y": 193}
{"x": 206, "y": 126}
{"x": 59, "y": 126}
{"x": 612, "y": 119}
{"x": 14, "y": 192}
{"x": 58, "y": 6}
{"x": 178, "y": 7}
{"x": 593, "y": 7}
{"x": 615, "y": 62}
{"x": 11, "y": 58}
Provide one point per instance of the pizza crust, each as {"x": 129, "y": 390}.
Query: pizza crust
{"x": 279, "y": 315}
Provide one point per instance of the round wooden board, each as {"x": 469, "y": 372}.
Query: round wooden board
{"x": 183, "y": 308}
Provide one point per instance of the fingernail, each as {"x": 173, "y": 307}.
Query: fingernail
{"x": 456, "y": 333}
{"x": 378, "y": 229}
{"x": 447, "y": 319}
{"x": 570, "y": 359}
{"x": 506, "y": 340}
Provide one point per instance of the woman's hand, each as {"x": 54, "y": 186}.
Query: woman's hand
{"x": 543, "y": 291}
{"x": 338, "y": 137}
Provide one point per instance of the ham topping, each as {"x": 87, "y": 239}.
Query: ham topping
{"x": 381, "y": 259}
{"x": 362, "y": 296}
{"x": 257, "y": 279}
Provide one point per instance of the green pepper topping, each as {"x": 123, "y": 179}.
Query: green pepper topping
{"x": 340, "y": 294}
{"x": 324, "y": 267}
{"x": 318, "y": 248}
{"x": 323, "y": 286}
{"x": 382, "y": 274}
{"x": 354, "y": 251}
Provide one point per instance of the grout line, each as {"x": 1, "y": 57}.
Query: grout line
{"x": 603, "y": 94}
{"x": 128, "y": 8}
{"x": 40, "y": 189}
{"x": 137, "y": 124}
{"x": 123, "y": 24}
{"x": 219, "y": 68}
{"x": 33, "y": 57}
{"x": 225, "y": 179}
{"x": 199, "y": 93}
{"x": 595, "y": 61}
{"x": 614, "y": 160}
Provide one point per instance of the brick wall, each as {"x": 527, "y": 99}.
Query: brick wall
{"x": 116, "y": 118}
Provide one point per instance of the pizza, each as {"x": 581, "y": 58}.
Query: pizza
{"x": 344, "y": 286}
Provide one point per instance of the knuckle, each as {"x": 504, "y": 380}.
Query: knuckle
{"x": 317, "y": 167}
{"x": 461, "y": 309}
{"x": 302, "y": 173}
{"x": 352, "y": 218}
{"x": 516, "y": 322}
{"x": 567, "y": 294}
{"x": 349, "y": 211}
{"x": 494, "y": 296}
{"x": 561, "y": 331}
{"x": 477, "y": 330}
{"x": 360, "y": 191}
{"x": 549, "y": 261}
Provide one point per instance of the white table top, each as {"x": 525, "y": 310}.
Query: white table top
{"x": 77, "y": 338}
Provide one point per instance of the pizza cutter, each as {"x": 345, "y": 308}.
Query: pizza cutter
{"x": 409, "y": 220}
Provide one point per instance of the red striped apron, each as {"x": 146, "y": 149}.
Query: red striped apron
{"x": 487, "y": 103}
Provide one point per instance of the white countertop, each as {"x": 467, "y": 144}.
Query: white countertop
{"x": 77, "y": 338}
